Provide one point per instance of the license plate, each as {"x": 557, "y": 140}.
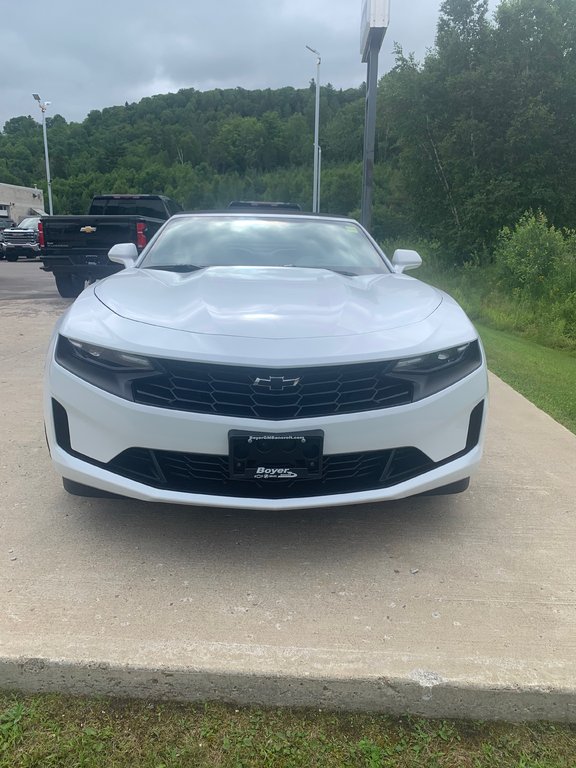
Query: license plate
{"x": 275, "y": 457}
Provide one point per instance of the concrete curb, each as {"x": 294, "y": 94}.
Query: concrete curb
{"x": 428, "y": 696}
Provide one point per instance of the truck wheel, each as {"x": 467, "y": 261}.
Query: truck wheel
{"x": 69, "y": 286}
{"x": 11, "y": 257}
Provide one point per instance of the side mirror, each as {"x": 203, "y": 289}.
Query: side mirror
{"x": 123, "y": 253}
{"x": 405, "y": 259}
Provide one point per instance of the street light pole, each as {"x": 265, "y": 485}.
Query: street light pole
{"x": 319, "y": 176}
{"x": 43, "y": 106}
{"x": 316, "y": 182}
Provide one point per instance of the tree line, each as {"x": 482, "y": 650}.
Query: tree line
{"x": 468, "y": 140}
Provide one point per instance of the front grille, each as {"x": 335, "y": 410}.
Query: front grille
{"x": 20, "y": 238}
{"x": 293, "y": 393}
{"x": 209, "y": 474}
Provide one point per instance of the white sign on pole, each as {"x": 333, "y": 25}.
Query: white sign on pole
{"x": 374, "y": 23}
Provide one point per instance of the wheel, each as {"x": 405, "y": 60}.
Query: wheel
{"x": 69, "y": 286}
{"x": 446, "y": 490}
{"x": 11, "y": 256}
{"x": 78, "y": 489}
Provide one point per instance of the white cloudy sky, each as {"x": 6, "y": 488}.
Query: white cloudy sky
{"x": 84, "y": 55}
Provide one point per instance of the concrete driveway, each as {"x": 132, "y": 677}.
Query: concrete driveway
{"x": 457, "y": 606}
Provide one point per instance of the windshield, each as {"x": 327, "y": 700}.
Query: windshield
{"x": 31, "y": 223}
{"x": 208, "y": 241}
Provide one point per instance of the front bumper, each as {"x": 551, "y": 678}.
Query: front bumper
{"x": 28, "y": 249}
{"x": 90, "y": 432}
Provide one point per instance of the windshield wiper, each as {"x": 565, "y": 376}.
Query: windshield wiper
{"x": 175, "y": 267}
{"x": 341, "y": 272}
{"x": 328, "y": 269}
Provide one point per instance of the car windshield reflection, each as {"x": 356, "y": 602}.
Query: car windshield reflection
{"x": 195, "y": 242}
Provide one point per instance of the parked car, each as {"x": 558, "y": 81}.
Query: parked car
{"x": 264, "y": 360}
{"x": 75, "y": 248}
{"x": 21, "y": 240}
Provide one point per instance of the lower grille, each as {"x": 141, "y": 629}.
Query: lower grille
{"x": 209, "y": 474}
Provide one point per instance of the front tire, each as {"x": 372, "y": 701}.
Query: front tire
{"x": 11, "y": 256}
{"x": 69, "y": 286}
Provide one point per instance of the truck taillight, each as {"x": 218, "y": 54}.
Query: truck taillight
{"x": 41, "y": 242}
{"x": 141, "y": 235}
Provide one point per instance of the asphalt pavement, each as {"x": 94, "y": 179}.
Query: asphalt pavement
{"x": 24, "y": 279}
{"x": 459, "y": 606}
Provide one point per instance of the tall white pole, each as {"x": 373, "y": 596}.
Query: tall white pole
{"x": 43, "y": 106}
{"x": 316, "y": 182}
{"x": 48, "y": 177}
{"x": 319, "y": 175}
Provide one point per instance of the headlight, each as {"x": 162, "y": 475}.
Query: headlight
{"x": 435, "y": 371}
{"x": 110, "y": 357}
{"x": 108, "y": 369}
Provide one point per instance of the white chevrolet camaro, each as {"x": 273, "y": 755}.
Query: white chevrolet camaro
{"x": 264, "y": 360}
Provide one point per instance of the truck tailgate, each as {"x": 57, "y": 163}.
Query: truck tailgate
{"x": 91, "y": 235}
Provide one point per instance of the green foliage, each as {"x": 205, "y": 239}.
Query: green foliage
{"x": 536, "y": 266}
{"x": 529, "y": 287}
{"x": 201, "y": 148}
{"x": 483, "y": 129}
{"x": 11, "y": 727}
{"x": 340, "y": 188}
{"x": 533, "y": 256}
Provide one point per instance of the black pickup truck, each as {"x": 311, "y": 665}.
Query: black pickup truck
{"x": 75, "y": 248}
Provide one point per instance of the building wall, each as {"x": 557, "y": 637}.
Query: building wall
{"x": 18, "y": 202}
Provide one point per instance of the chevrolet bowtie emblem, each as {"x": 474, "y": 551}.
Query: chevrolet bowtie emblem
{"x": 276, "y": 383}
{"x": 88, "y": 229}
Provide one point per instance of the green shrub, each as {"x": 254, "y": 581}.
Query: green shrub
{"x": 530, "y": 256}
{"x": 528, "y": 288}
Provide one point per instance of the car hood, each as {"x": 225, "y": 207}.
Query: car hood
{"x": 268, "y": 302}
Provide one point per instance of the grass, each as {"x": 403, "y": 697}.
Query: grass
{"x": 66, "y": 732}
{"x": 545, "y": 376}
